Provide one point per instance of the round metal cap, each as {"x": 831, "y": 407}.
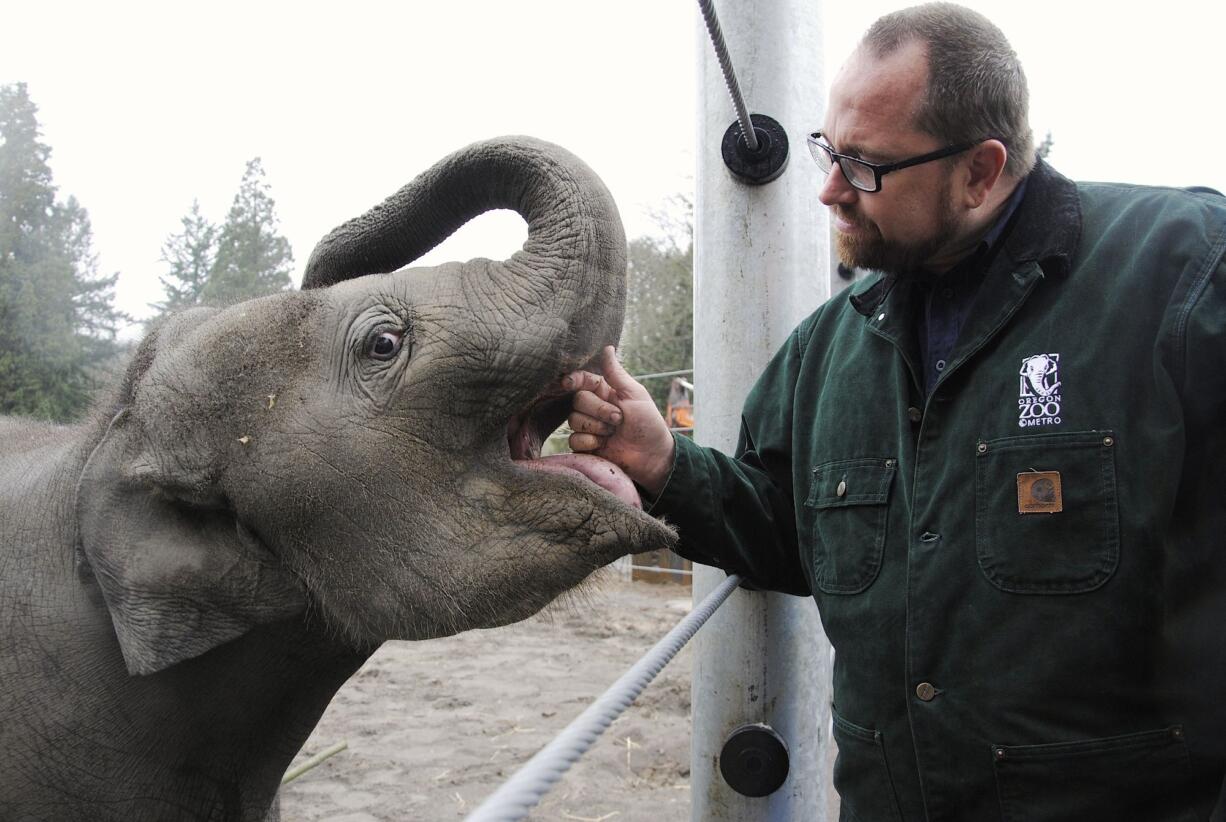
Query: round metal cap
{"x": 754, "y": 761}
{"x": 763, "y": 165}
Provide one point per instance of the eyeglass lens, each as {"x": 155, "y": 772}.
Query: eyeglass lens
{"x": 858, "y": 174}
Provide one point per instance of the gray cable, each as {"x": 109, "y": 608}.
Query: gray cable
{"x": 519, "y": 794}
{"x": 725, "y": 64}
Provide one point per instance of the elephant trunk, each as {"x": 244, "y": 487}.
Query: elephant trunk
{"x": 576, "y": 248}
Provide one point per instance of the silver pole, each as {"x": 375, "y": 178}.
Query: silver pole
{"x": 760, "y": 261}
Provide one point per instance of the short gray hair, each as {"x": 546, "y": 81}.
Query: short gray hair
{"x": 976, "y": 87}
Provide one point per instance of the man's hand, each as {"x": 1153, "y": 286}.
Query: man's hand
{"x": 615, "y": 418}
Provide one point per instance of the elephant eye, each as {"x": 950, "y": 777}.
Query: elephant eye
{"x": 385, "y": 345}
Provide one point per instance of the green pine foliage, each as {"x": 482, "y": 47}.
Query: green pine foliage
{"x": 190, "y": 255}
{"x": 1044, "y": 149}
{"x": 57, "y": 319}
{"x": 253, "y": 259}
{"x": 244, "y": 257}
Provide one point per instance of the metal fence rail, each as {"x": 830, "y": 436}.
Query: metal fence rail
{"x": 519, "y": 794}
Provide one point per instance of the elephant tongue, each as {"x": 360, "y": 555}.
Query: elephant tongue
{"x": 600, "y": 471}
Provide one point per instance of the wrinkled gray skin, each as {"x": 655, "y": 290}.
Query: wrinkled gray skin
{"x": 187, "y": 579}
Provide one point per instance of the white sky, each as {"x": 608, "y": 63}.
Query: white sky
{"x": 149, "y": 105}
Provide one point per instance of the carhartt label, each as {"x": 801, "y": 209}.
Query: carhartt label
{"x": 1038, "y": 400}
{"x": 1038, "y": 492}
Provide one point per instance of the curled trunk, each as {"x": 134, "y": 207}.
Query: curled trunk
{"x": 576, "y": 247}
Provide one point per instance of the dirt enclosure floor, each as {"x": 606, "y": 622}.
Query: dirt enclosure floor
{"x": 434, "y": 727}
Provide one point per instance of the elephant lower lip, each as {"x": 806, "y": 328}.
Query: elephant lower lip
{"x": 599, "y": 471}
{"x": 528, "y": 430}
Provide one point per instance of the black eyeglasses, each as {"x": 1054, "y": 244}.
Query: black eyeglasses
{"x": 867, "y": 176}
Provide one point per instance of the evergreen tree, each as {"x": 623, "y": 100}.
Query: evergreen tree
{"x": 658, "y": 335}
{"x": 1044, "y": 148}
{"x": 57, "y": 319}
{"x": 190, "y": 254}
{"x": 253, "y": 259}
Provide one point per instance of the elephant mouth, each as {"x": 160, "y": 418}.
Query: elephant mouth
{"x": 527, "y": 432}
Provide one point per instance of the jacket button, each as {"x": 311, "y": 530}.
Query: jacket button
{"x": 842, "y": 489}
{"x": 925, "y": 691}
{"x": 914, "y": 414}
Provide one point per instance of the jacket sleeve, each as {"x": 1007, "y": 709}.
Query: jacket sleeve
{"x": 738, "y": 513}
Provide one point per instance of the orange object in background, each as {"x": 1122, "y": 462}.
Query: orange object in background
{"x": 682, "y": 417}
{"x": 679, "y": 412}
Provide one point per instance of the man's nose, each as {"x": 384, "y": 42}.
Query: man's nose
{"x": 836, "y": 189}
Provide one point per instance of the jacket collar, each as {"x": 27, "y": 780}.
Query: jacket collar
{"x": 1048, "y": 225}
{"x": 1046, "y": 230}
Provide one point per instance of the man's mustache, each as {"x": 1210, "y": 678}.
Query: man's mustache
{"x": 848, "y": 217}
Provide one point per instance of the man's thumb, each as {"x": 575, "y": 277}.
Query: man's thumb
{"x": 616, "y": 376}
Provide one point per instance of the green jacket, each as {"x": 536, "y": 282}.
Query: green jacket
{"x": 1024, "y": 574}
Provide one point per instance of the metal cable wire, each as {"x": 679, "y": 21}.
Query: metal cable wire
{"x": 725, "y": 64}
{"x": 519, "y": 794}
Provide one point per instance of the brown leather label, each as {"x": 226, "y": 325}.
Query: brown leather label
{"x": 1038, "y": 492}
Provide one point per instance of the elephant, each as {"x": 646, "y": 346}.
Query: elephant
{"x": 275, "y": 488}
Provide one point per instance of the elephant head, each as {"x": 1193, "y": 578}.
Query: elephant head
{"x": 363, "y": 452}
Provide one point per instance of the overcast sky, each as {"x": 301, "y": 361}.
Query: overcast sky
{"x": 147, "y": 106}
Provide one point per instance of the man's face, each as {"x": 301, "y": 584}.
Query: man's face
{"x": 913, "y": 222}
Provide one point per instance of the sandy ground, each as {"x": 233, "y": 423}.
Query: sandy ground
{"x": 434, "y": 727}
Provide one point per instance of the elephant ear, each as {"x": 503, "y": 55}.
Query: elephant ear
{"x": 179, "y": 577}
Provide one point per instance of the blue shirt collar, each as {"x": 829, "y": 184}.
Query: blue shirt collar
{"x": 1015, "y": 200}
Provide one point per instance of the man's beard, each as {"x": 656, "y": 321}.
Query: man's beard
{"x": 869, "y": 250}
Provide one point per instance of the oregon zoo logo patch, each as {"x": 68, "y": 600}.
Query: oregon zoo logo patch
{"x": 1038, "y": 400}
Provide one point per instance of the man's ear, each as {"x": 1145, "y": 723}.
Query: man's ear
{"x": 985, "y": 163}
{"x": 179, "y": 577}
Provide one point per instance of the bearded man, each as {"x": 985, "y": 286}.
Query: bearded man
{"x": 996, "y": 465}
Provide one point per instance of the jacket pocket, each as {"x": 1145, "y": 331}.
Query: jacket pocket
{"x": 1060, "y": 535}
{"x": 1142, "y": 777}
{"x": 846, "y": 512}
{"x": 862, "y": 775}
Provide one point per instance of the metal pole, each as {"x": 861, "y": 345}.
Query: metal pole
{"x": 761, "y": 258}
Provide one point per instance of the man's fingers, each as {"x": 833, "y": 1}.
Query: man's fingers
{"x": 615, "y": 382}
{"x": 587, "y": 381}
{"x": 586, "y": 442}
{"x": 589, "y": 404}
{"x": 583, "y": 424}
